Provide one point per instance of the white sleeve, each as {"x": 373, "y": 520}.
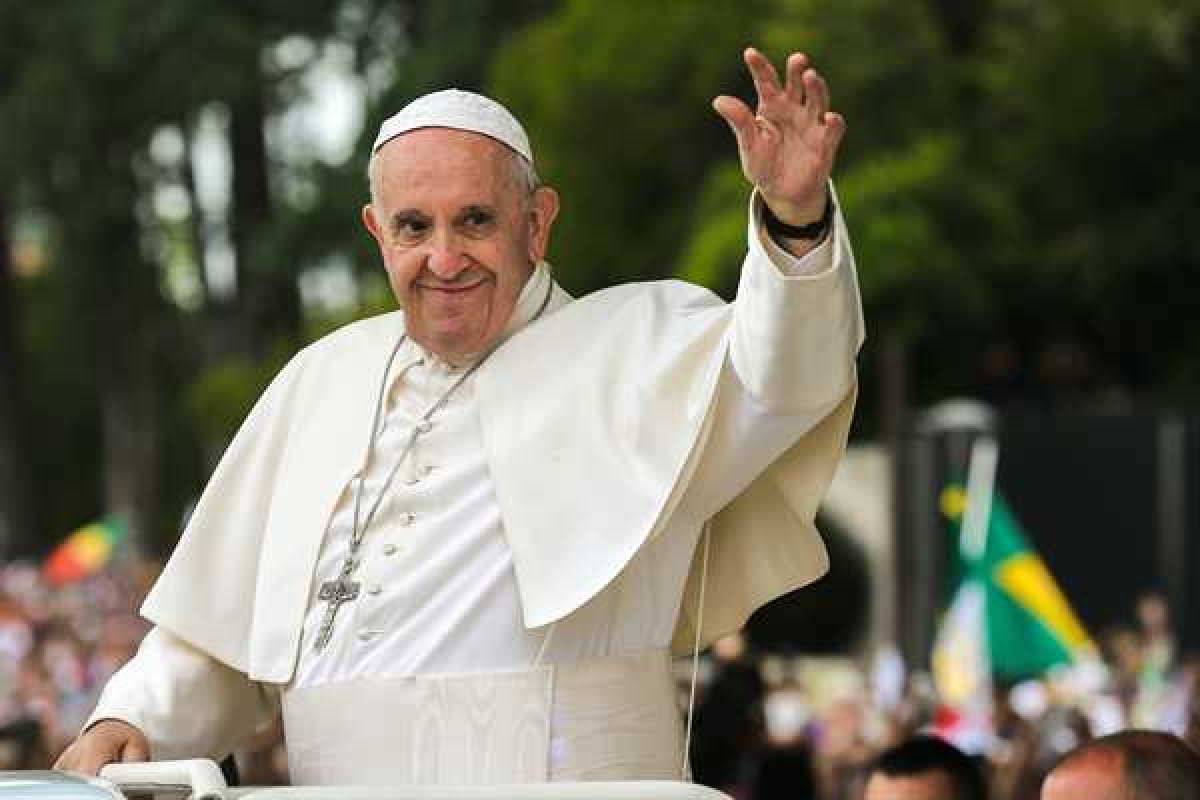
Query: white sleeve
{"x": 188, "y": 704}
{"x": 814, "y": 262}
{"x": 797, "y": 327}
{"x": 795, "y": 337}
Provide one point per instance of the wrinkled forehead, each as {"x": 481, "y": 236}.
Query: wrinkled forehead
{"x": 438, "y": 166}
{"x": 440, "y": 152}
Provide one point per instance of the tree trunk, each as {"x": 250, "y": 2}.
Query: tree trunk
{"x": 129, "y": 393}
{"x": 268, "y": 297}
{"x": 894, "y": 414}
{"x": 197, "y": 235}
{"x": 14, "y": 481}
{"x": 962, "y": 22}
{"x": 120, "y": 311}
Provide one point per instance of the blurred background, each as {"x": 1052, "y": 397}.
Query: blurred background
{"x": 180, "y": 186}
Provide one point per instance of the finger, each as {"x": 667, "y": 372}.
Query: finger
{"x": 817, "y": 92}
{"x": 79, "y": 758}
{"x": 66, "y": 761}
{"x": 796, "y": 64}
{"x": 92, "y": 763}
{"x": 740, "y": 119}
{"x": 95, "y": 755}
{"x": 766, "y": 79}
{"x": 135, "y": 749}
{"x": 835, "y": 126}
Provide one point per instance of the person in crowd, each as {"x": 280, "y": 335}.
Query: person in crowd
{"x": 727, "y": 729}
{"x": 925, "y": 767}
{"x": 1128, "y": 765}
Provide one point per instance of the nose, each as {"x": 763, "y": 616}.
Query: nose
{"x": 446, "y": 259}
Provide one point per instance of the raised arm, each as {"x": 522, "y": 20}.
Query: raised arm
{"x": 797, "y": 322}
{"x": 787, "y": 146}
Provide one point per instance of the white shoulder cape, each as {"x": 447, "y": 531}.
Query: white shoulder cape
{"x": 592, "y": 419}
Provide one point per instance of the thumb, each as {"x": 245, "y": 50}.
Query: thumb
{"x": 739, "y": 116}
{"x": 136, "y": 748}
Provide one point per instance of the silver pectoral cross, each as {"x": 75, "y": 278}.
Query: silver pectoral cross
{"x": 335, "y": 593}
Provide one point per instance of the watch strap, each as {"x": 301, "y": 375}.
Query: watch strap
{"x": 813, "y": 230}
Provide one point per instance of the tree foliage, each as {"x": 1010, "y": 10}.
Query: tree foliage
{"x": 1019, "y": 178}
{"x": 618, "y": 107}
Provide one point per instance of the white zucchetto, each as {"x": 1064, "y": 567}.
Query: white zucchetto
{"x": 464, "y": 111}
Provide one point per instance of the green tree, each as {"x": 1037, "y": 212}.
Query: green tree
{"x": 617, "y": 101}
{"x": 118, "y": 72}
{"x": 14, "y": 446}
{"x": 14, "y": 450}
{"x": 1091, "y": 113}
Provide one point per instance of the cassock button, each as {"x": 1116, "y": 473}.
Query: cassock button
{"x": 389, "y": 549}
{"x": 407, "y": 518}
{"x": 412, "y": 480}
{"x": 366, "y": 634}
{"x": 424, "y": 426}
{"x": 374, "y": 589}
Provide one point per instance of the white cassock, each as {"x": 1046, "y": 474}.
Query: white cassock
{"x": 535, "y": 558}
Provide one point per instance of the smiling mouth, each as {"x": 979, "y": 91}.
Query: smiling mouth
{"x": 452, "y": 288}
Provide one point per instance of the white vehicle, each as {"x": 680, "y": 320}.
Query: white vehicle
{"x": 199, "y": 779}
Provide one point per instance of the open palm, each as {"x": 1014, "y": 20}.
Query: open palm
{"x": 788, "y": 145}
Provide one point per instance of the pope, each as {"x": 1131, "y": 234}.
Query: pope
{"x": 458, "y": 543}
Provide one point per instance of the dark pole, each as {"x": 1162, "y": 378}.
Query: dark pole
{"x": 1172, "y": 513}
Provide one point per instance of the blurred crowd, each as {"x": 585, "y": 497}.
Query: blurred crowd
{"x": 766, "y": 725}
{"x": 58, "y": 647}
{"x": 772, "y": 726}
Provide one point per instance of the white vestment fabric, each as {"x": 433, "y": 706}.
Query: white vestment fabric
{"x": 609, "y": 432}
{"x": 600, "y": 719}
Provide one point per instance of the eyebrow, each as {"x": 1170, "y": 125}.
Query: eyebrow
{"x": 476, "y": 208}
{"x": 407, "y": 215}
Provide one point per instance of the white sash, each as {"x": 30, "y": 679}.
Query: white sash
{"x": 605, "y": 719}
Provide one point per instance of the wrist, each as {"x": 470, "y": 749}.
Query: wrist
{"x": 812, "y": 226}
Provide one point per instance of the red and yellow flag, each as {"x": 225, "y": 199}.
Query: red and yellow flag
{"x": 85, "y": 551}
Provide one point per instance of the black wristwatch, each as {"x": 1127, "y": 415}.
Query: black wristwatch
{"x": 813, "y": 230}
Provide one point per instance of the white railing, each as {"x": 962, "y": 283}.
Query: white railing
{"x": 200, "y": 779}
{"x": 197, "y": 778}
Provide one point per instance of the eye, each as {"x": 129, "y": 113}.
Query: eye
{"x": 409, "y": 227}
{"x": 477, "y": 219}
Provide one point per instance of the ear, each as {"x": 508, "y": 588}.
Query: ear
{"x": 541, "y": 218}
{"x": 371, "y": 223}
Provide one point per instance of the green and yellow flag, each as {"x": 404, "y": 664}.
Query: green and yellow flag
{"x": 1029, "y": 624}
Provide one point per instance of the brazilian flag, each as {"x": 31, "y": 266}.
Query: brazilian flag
{"x": 1028, "y": 624}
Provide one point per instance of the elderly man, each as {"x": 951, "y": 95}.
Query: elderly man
{"x": 1128, "y": 765}
{"x": 456, "y": 543}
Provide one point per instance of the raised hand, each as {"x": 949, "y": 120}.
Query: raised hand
{"x": 787, "y": 146}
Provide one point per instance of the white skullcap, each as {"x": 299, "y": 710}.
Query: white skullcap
{"x": 464, "y": 111}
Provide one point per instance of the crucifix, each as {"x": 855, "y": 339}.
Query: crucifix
{"x": 342, "y": 590}
{"x": 335, "y": 593}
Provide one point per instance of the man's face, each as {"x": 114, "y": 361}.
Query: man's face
{"x": 458, "y": 233}
{"x": 930, "y": 785}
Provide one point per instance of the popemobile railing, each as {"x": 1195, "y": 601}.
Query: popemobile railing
{"x": 200, "y": 779}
